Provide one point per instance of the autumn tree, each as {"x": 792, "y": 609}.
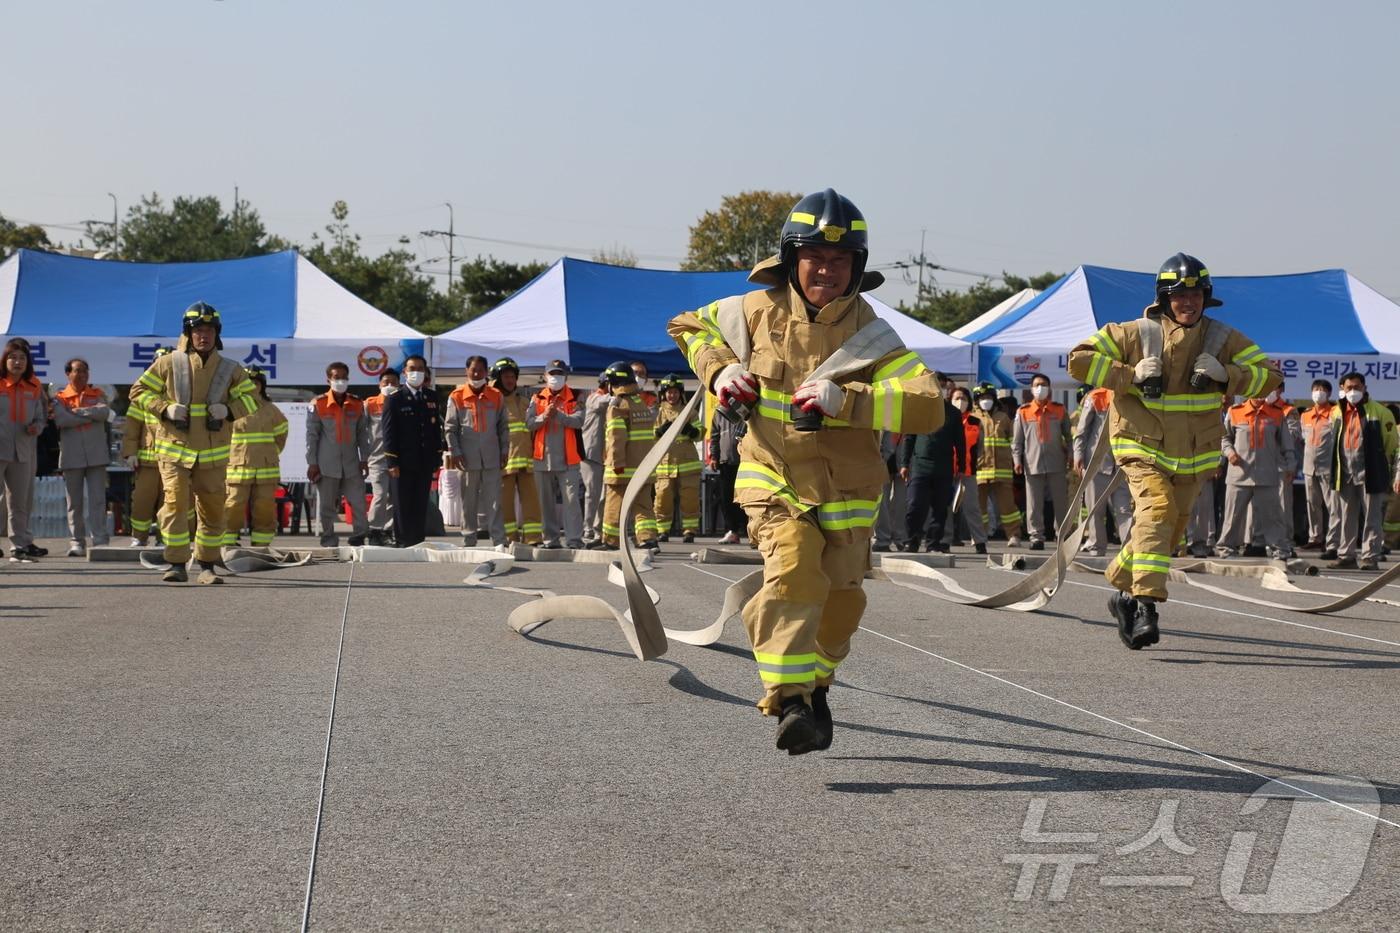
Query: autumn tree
{"x": 744, "y": 230}
{"x": 14, "y": 236}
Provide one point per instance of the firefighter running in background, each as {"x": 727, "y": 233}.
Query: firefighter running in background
{"x": 995, "y": 468}
{"x": 811, "y": 472}
{"x": 1168, "y": 371}
{"x": 139, "y": 453}
{"x": 255, "y": 469}
{"x": 196, "y": 394}
{"x": 631, "y": 427}
{"x": 681, "y": 465}
{"x": 518, "y": 474}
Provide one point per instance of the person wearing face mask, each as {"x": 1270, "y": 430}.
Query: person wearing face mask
{"x": 639, "y": 370}
{"x": 554, "y": 417}
{"x": 1292, "y": 425}
{"x": 1324, "y": 517}
{"x": 477, "y": 438}
{"x": 631, "y": 429}
{"x": 1093, "y": 419}
{"x": 1168, "y": 371}
{"x": 1040, "y": 452}
{"x": 595, "y": 426}
{"x": 381, "y": 503}
{"x": 678, "y": 473}
{"x": 255, "y": 469}
{"x": 995, "y": 467}
{"x": 1363, "y": 452}
{"x": 81, "y": 415}
{"x": 928, "y": 463}
{"x": 337, "y": 455}
{"x": 520, "y": 499}
{"x": 1260, "y": 452}
{"x": 811, "y": 470}
{"x": 967, "y": 456}
{"x": 413, "y": 445}
{"x": 22, "y": 418}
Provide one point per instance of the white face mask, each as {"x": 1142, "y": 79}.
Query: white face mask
{"x": 555, "y": 382}
{"x": 987, "y": 404}
{"x": 1040, "y": 393}
{"x": 1271, "y": 397}
{"x": 1354, "y": 396}
{"x": 477, "y": 383}
{"x": 415, "y": 378}
{"x": 338, "y": 386}
{"x": 388, "y": 390}
{"x": 960, "y": 403}
{"x": 1319, "y": 397}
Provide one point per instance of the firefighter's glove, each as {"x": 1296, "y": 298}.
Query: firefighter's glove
{"x": 661, "y": 427}
{"x": 177, "y": 413}
{"x": 1148, "y": 368}
{"x": 820, "y": 395}
{"x": 1205, "y": 363}
{"x": 736, "y": 384}
{"x": 690, "y": 432}
{"x": 218, "y": 411}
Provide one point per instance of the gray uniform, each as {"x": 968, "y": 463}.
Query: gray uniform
{"x": 381, "y": 505}
{"x": 555, "y": 477}
{"x": 1038, "y": 444}
{"x": 83, "y": 455}
{"x": 894, "y": 499}
{"x": 477, "y": 429}
{"x": 1362, "y": 512}
{"x": 1257, "y": 435}
{"x": 1087, "y": 430}
{"x": 338, "y": 441}
{"x": 20, "y": 406}
{"x": 1319, "y": 445}
{"x": 595, "y": 428}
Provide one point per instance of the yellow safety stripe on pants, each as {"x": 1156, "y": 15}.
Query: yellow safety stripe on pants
{"x": 647, "y": 524}
{"x": 138, "y": 525}
{"x": 207, "y": 540}
{"x": 611, "y": 531}
{"x": 826, "y": 666}
{"x": 1144, "y": 563}
{"x": 516, "y": 427}
{"x": 1010, "y": 518}
{"x": 847, "y": 514}
{"x": 786, "y": 668}
{"x": 244, "y": 474}
{"x": 262, "y": 537}
{"x": 674, "y": 470}
{"x": 511, "y": 527}
{"x": 177, "y": 539}
{"x": 1181, "y": 402}
{"x": 531, "y": 528}
{"x": 992, "y": 475}
{"x": 518, "y": 463}
{"x": 1123, "y": 448}
{"x": 690, "y": 523}
{"x": 612, "y": 475}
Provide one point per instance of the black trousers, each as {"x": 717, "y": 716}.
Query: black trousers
{"x": 734, "y": 518}
{"x": 410, "y": 492}
{"x": 927, "y": 514}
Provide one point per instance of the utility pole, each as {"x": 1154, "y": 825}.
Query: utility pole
{"x": 922, "y": 234}
{"x": 451, "y": 234}
{"x": 116, "y": 225}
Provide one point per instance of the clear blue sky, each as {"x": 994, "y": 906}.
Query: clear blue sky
{"x": 1264, "y": 137}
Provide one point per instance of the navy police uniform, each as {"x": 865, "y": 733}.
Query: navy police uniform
{"x": 413, "y": 442}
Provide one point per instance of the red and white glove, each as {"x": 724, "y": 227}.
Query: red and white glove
{"x": 737, "y": 384}
{"x": 820, "y": 395}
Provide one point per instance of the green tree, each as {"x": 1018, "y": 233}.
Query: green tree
{"x": 14, "y": 237}
{"x": 189, "y": 230}
{"x": 744, "y": 230}
{"x": 947, "y": 310}
{"x": 616, "y": 255}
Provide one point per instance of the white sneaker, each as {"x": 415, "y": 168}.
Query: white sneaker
{"x": 77, "y": 550}
{"x": 729, "y": 538}
{"x": 1014, "y": 542}
{"x": 137, "y": 542}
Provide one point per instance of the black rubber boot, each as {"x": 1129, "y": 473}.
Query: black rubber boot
{"x": 1144, "y": 631}
{"x": 797, "y": 728}
{"x": 821, "y": 712}
{"x": 1124, "y": 610}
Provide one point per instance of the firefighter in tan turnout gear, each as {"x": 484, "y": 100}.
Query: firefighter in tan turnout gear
{"x": 811, "y": 472}
{"x": 995, "y": 465}
{"x": 680, "y": 468}
{"x": 196, "y": 394}
{"x": 139, "y": 453}
{"x": 1168, "y": 371}
{"x": 631, "y": 429}
{"x": 255, "y": 469}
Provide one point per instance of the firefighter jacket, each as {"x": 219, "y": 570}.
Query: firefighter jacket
{"x": 337, "y": 435}
{"x": 682, "y": 458}
{"x": 1093, "y": 418}
{"x": 374, "y": 414}
{"x": 554, "y": 437}
{"x": 1040, "y": 439}
{"x": 595, "y": 424}
{"x": 255, "y": 452}
{"x": 1179, "y": 432}
{"x": 139, "y": 435}
{"x": 631, "y": 432}
{"x": 519, "y": 445}
{"x": 475, "y": 425}
{"x": 156, "y": 389}
{"x": 837, "y": 469}
{"x": 1256, "y": 433}
{"x": 1363, "y": 444}
{"x": 21, "y": 404}
{"x": 82, "y": 438}
{"x": 940, "y": 454}
{"x": 994, "y": 463}
{"x": 1318, "y": 440}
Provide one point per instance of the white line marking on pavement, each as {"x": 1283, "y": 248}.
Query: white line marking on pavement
{"x": 1165, "y": 741}
{"x": 718, "y": 576}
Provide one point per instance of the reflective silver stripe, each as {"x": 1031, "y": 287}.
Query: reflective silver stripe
{"x": 807, "y": 668}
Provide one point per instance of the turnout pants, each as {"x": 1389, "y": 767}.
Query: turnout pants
{"x": 687, "y": 487}
{"x": 256, "y": 503}
{"x": 612, "y": 514}
{"x": 145, "y": 500}
{"x": 204, "y": 485}
{"x": 1324, "y": 515}
{"x": 381, "y": 507}
{"x": 16, "y": 496}
{"x": 802, "y": 620}
{"x": 1162, "y": 504}
{"x": 1120, "y": 503}
{"x": 329, "y": 489}
{"x": 1039, "y": 488}
{"x": 87, "y": 504}
{"x": 563, "y": 486}
{"x": 1362, "y": 516}
{"x": 481, "y": 495}
{"x": 522, "y": 525}
{"x": 1007, "y": 513}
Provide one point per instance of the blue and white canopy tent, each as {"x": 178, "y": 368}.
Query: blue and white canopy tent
{"x": 279, "y": 311}
{"x": 590, "y": 314}
{"x": 1313, "y": 324}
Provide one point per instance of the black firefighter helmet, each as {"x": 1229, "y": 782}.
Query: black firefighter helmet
{"x": 619, "y": 373}
{"x": 1181, "y": 272}
{"x": 826, "y": 218}
{"x": 203, "y": 313}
